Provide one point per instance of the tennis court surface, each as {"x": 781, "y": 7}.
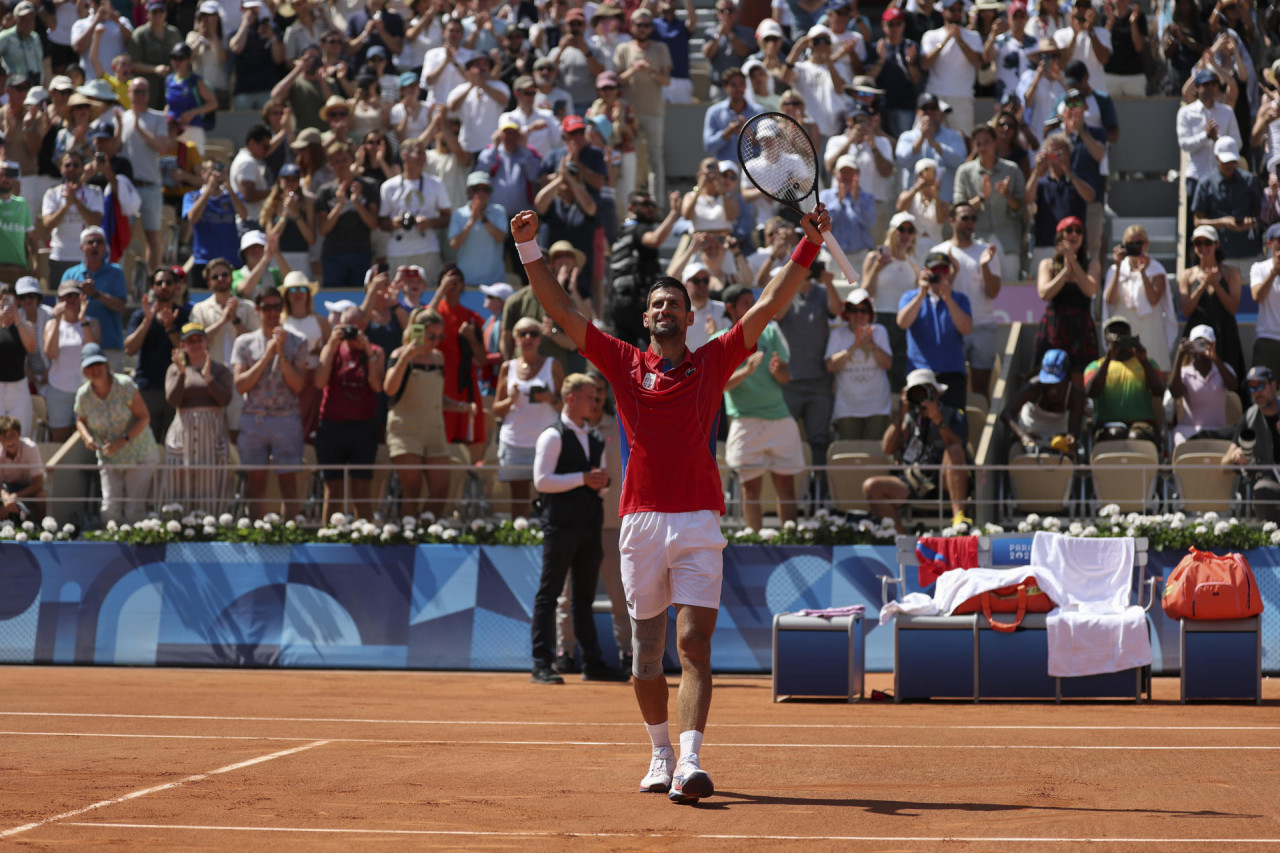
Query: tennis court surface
{"x": 163, "y": 759}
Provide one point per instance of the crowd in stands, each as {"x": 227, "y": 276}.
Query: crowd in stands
{"x": 396, "y": 139}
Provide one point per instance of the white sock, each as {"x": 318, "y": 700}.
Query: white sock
{"x": 658, "y": 735}
{"x": 690, "y": 742}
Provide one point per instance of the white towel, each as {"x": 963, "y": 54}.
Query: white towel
{"x": 1094, "y": 629}
{"x": 956, "y": 587}
{"x": 913, "y": 603}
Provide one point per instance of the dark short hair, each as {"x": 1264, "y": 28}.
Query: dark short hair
{"x": 664, "y": 282}
{"x": 219, "y": 262}
{"x": 983, "y": 128}
{"x": 258, "y": 133}
{"x": 637, "y": 196}
{"x": 445, "y": 270}
{"x": 264, "y": 292}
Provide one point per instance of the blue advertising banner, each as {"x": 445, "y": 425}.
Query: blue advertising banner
{"x": 425, "y": 607}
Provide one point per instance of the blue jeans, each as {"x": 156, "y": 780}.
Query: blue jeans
{"x": 345, "y": 270}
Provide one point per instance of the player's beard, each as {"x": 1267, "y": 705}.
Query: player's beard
{"x": 664, "y": 329}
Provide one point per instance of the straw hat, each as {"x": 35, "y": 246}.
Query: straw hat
{"x": 561, "y": 246}
{"x": 297, "y": 278}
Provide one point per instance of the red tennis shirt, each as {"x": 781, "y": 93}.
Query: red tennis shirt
{"x": 668, "y": 417}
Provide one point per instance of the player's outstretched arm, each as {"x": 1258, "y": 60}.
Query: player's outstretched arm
{"x": 554, "y": 298}
{"x": 778, "y": 292}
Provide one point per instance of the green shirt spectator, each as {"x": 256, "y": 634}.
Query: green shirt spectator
{"x": 760, "y": 395}
{"x": 149, "y": 48}
{"x": 20, "y": 46}
{"x": 15, "y": 224}
{"x": 1125, "y": 396}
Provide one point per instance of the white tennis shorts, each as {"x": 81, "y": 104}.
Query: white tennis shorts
{"x": 756, "y": 445}
{"x": 671, "y": 558}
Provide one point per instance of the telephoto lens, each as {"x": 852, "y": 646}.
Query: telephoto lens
{"x": 1247, "y": 441}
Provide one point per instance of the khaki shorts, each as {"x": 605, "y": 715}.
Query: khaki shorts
{"x": 756, "y": 446}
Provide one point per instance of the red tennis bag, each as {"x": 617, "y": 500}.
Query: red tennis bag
{"x": 1023, "y": 598}
{"x": 1206, "y": 586}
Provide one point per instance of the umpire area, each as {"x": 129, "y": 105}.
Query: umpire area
{"x": 151, "y": 759}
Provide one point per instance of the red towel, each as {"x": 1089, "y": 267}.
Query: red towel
{"x": 938, "y": 554}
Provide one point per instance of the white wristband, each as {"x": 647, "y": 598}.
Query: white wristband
{"x": 529, "y": 251}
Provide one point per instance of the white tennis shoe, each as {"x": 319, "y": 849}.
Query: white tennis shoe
{"x": 658, "y": 779}
{"x": 690, "y": 782}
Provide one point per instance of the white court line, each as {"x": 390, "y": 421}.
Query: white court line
{"x": 556, "y": 833}
{"x": 633, "y": 744}
{"x": 581, "y": 723}
{"x": 133, "y": 795}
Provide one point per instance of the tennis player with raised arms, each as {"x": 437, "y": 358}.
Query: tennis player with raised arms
{"x": 668, "y": 401}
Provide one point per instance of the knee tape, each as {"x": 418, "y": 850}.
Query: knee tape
{"x": 648, "y": 642}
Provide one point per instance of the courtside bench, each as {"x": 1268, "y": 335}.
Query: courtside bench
{"x": 962, "y": 657}
{"x": 1221, "y": 658}
{"x": 816, "y": 656}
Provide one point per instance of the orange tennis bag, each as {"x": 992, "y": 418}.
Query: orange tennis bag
{"x": 1206, "y": 586}
{"x": 1020, "y": 599}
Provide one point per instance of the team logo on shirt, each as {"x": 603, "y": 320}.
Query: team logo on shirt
{"x": 649, "y": 380}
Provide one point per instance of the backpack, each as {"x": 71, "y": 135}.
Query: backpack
{"x": 1207, "y": 586}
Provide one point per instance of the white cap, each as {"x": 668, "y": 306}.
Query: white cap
{"x": 253, "y": 238}
{"x": 1208, "y": 232}
{"x": 728, "y": 166}
{"x": 210, "y": 7}
{"x": 27, "y": 284}
{"x": 339, "y": 306}
{"x": 691, "y": 269}
{"x": 1203, "y": 332}
{"x": 1227, "y": 150}
{"x": 93, "y": 231}
{"x": 498, "y": 290}
{"x": 901, "y": 217}
{"x": 846, "y": 161}
{"x": 751, "y": 65}
{"x": 857, "y": 296}
{"x": 768, "y": 27}
{"x": 923, "y": 376}
{"x": 36, "y": 95}
{"x": 819, "y": 30}
{"x": 925, "y": 163}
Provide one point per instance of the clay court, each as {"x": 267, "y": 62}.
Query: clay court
{"x": 150, "y": 759}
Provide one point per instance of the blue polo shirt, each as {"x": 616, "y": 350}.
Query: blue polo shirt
{"x": 480, "y": 258}
{"x": 109, "y": 279}
{"x": 1082, "y": 162}
{"x": 851, "y": 218}
{"x": 675, "y": 35}
{"x": 719, "y": 116}
{"x": 215, "y": 235}
{"x": 933, "y": 340}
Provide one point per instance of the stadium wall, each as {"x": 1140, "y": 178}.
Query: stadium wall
{"x": 427, "y": 607}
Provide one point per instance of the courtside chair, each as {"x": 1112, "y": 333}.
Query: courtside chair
{"x": 1202, "y": 482}
{"x": 1041, "y": 482}
{"x": 1131, "y": 484}
{"x": 846, "y": 472}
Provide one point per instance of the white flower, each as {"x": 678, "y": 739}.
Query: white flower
{"x": 266, "y": 528}
{"x": 385, "y": 537}
{"x": 821, "y": 513}
{"x": 111, "y": 527}
{"x": 476, "y": 525}
{"x": 1175, "y": 525}
{"x": 1233, "y": 521}
{"x": 46, "y": 536}
{"x": 291, "y": 525}
{"x": 1109, "y": 509}
{"x": 521, "y": 523}
{"x": 789, "y": 525}
{"x": 258, "y": 524}
{"x": 811, "y": 524}
{"x": 209, "y": 521}
{"x": 209, "y": 531}
{"x": 538, "y": 534}
{"x": 411, "y": 534}
{"x": 167, "y": 508}
{"x": 189, "y": 533}
{"x": 242, "y": 524}
{"x": 355, "y": 536}
{"x": 449, "y": 534}
{"x": 173, "y": 527}
{"x": 1180, "y": 516}
{"x": 1220, "y": 528}
{"x": 337, "y": 519}
{"x": 390, "y": 530}
{"x": 1024, "y": 527}
{"x": 29, "y": 526}
{"x": 1131, "y": 532}
{"x": 1076, "y": 528}
{"x": 866, "y": 525}
{"x": 768, "y": 534}
{"x": 21, "y": 536}
{"x": 744, "y": 533}
{"x": 1270, "y": 527}
{"x": 435, "y": 530}
{"x": 226, "y": 519}
{"x": 1209, "y": 517}
{"x": 271, "y": 518}
{"x": 1052, "y": 523}
{"x": 49, "y": 524}
{"x": 1275, "y": 537}
{"x": 427, "y": 516}
{"x": 6, "y": 532}
{"x": 948, "y": 532}
{"x": 408, "y": 521}
{"x": 1200, "y": 530}
{"x": 991, "y": 528}
{"x": 125, "y": 530}
{"x": 1089, "y": 531}
{"x": 886, "y": 523}
{"x": 1033, "y": 519}
{"x": 68, "y": 529}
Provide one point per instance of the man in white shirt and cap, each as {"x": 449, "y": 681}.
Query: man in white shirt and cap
{"x": 952, "y": 54}
{"x": 708, "y": 314}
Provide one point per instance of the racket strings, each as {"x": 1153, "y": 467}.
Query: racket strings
{"x": 778, "y": 157}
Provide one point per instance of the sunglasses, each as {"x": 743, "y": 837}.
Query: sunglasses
{"x": 1073, "y": 104}
{"x": 272, "y": 306}
{"x": 792, "y": 104}
{"x": 436, "y": 336}
{"x": 529, "y": 333}
{"x": 641, "y": 25}
{"x": 333, "y": 41}
{"x": 906, "y": 229}
{"x": 1072, "y": 230}
{"x": 1199, "y": 244}
{"x": 219, "y": 276}
{"x": 608, "y": 88}
{"x": 821, "y": 42}
{"x": 940, "y": 269}
{"x": 700, "y": 280}
{"x": 969, "y": 218}
{"x": 338, "y": 113}
{"x": 893, "y": 23}
{"x": 527, "y": 92}
{"x": 297, "y": 290}
{"x": 1255, "y": 387}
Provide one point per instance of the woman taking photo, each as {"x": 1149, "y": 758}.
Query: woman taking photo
{"x": 887, "y": 274}
{"x": 1202, "y": 382}
{"x": 1067, "y": 281}
{"x": 528, "y": 402}
{"x": 1137, "y": 289}
{"x": 300, "y": 317}
{"x": 708, "y": 206}
{"x": 288, "y": 210}
{"x": 1209, "y": 295}
{"x": 415, "y": 421}
{"x": 113, "y": 422}
{"x": 65, "y": 336}
{"x": 195, "y": 447}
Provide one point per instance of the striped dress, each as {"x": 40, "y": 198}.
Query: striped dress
{"x": 196, "y": 445}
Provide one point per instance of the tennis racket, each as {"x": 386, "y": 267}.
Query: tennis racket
{"x": 777, "y": 156}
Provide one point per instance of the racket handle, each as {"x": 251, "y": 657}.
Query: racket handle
{"x": 842, "y": 260}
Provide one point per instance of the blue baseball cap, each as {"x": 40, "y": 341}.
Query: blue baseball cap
{"x": 408, "y": 78}
{"x": 290, "y": 170}
{"x": 1054, "y": 367}
{"x": 1273, "y": 232}
{"x": 91, "y": 354}
{"x": 1258, "y": 371}
{"x": 1204, "y": 75}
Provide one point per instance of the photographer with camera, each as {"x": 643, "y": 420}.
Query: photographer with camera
{"x": 1126, "y": 385}
{"x": 350, "y": 373}
{"x": 1202, "y": 381}
{"x": 1256, "y": 441}
{"x": 936, "y": 321}
{"x": 414, "y": 205}
{"x": 927, "y": 432}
